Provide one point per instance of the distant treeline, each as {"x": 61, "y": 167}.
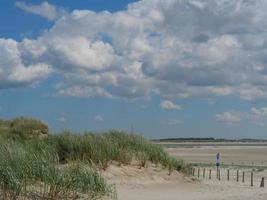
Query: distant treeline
{"x": 208, "y": 139}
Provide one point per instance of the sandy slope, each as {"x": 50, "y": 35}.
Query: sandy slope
{"x": 155, "y": 184}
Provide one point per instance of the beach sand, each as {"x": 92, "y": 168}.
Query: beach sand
{"x": 154, "y": 183}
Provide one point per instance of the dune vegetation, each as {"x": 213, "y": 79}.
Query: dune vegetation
{"x": 68, "y": 165}
{"x": 23, "y": 127}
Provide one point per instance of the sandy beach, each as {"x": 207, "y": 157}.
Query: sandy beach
{"x": 153, "y": 183}
{"x": 231, "y": 155}
{"x": 192, "y": 191}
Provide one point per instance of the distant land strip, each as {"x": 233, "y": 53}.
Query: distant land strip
{"x": 208, "y": 139}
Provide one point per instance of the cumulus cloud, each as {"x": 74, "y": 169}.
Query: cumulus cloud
{"x": 229, "y": 117}
{"x": 172, "y": 122}
{"x": 257, "y": 116}
{"x": 62, "y": 119}
{"x": 13, "y": 71}
{"x": 168, "y": 105}
{"x": 98, "y": 118}
{"x": 171, "y": 48}
{"x": 45, "y": 9}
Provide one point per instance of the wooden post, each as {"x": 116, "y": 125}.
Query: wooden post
{"x": 237, "y": 175}
{"x": 204, "y": 171}
{"x": 243, "y": 177}
{"x": 219, "y": 174}
{"x": 210, "y": 174}
{"x": 198, "y": 172}
{"x": 193, "y": 171}
{"x": 262, "y": 182}
{"x": 251, "y": 179}
{"x": 228, "y": 175}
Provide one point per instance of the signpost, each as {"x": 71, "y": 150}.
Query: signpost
{"x": 217, "y": 164}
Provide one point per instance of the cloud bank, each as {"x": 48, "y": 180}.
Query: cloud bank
{"x": 171, "y": 48}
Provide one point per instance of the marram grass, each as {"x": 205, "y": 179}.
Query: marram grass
{"x": 62, "y": 166}
{"x": 27, "y": 174}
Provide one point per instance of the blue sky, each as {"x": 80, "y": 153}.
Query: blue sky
{"x": 169, "y": 68}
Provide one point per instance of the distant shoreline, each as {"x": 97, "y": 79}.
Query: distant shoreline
{"x": 211, "y": 144}
{"x": 209, "y": 140}
{"x": 194, "y": 142}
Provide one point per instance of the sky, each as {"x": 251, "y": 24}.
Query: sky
{"x": 161, "y": 68}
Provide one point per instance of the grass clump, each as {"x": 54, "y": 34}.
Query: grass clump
{"x": 102, "y": 149}
{"x": 30, "y": 174}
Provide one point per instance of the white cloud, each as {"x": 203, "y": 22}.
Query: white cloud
{"x": 259, "y": 111}
{"x": 172, "y": 122}
{"x": 229, "y": 117}
{"x": 62, "y": 119}
{"x": 13, "y": 71}
{"x": 172, "y": 48}
{"x": 98, "y": 118}
{"x": 168, "y": 105}
{"x": 257, "y": 116}
{"x": 45, "y": 9}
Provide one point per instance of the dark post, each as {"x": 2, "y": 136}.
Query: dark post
{"x": 219, "y": 174}
{"x": 198, "y": 172}
{"x": 251, "y": 179}
{"x": 262, "y": 182}
{"x": 243, "y": 177}
{"x": 204, "y": 171}
{"x": 237, "y": 175}
{"x": 210, "y": 174}
{"x": 228, "y": 175}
